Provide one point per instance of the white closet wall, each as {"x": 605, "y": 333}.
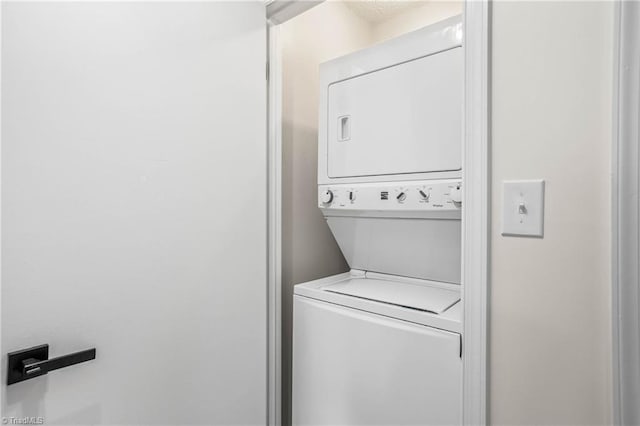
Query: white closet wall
{"x": 550, "y": 298}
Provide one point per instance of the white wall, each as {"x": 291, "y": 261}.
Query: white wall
{"x": 309, "y": 250}
{"x": 415, "y": 18}
{"x": 550, "y": 326}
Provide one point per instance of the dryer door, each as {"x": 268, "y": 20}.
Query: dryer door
{"x": 406, "y": 118}
{"x": 357, "y": 368}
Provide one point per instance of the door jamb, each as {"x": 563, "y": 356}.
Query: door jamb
{"x": 476, "y": 217}
{"x": 625, "y": 235}
{"x": 274, "y": 226}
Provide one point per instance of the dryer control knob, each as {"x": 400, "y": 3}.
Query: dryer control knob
{"x": 424, "y": 195}
{"x": 401, "y": 196}
{"x": 456, "y": 194}
{"x": 326, "y": 197}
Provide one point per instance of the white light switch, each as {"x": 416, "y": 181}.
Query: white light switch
{"x": 523, "y": 208}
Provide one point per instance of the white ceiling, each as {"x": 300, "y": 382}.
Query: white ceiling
{"x": 376, "y": 11}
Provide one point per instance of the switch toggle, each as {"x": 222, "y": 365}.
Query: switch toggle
{"x": 522, "y": 209}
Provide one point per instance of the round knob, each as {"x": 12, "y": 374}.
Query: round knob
{"x": 326, "y": 197}
{"x": 352, "y": 196}
{"x": 456, "y": 194}
{"x": 401, "y": 196}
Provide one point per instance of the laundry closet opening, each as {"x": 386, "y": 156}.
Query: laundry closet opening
{"x": 310, "y": 251}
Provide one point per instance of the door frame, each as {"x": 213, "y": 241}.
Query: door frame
{"x": 477, "y": 202}
{"x": 476, "y": 217}
{"x": 2, "y": 396}
{"x": 274, "y": 227}
{"x": 625, "y": 214}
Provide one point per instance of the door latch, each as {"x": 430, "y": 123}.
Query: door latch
{"x": 33, "y": 362}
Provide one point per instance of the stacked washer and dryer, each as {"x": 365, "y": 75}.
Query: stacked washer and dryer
{"x": 381, "y": 344}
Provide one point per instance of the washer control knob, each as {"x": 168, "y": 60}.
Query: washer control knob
{"x": 425, "y": 196}
{"x": 326, "y": 197}
{"x": 352, "y": 196}
{"x": 401, "y": 196}
{"x": 456, "y": 193}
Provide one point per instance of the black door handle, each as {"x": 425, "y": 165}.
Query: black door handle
{"x": 33, "y": 362}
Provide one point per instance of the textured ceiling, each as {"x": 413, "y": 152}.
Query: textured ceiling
{"x": 376, "y": 11}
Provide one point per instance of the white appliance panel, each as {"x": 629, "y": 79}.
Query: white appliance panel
{"x": 449, "y": 320}
{"x": 406, "y": 118}
{"x": 414, "y": 296}
{"x": 356, "y": 368}
{"x": 420, "y": 248}
{"x": 426, "y": 199}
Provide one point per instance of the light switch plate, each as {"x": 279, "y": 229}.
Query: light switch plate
{"x": 523, "y": 208}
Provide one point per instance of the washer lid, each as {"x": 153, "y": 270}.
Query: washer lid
{"x": 415, "y": 296}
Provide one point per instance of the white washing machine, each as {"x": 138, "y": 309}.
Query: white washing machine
{"x": 374, "y": 349}
{"x": 381, "y": 344}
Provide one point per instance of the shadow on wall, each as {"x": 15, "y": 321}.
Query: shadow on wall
{"x": 309, "y": 250}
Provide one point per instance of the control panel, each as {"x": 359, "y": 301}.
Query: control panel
{"x": 432, "y": 195}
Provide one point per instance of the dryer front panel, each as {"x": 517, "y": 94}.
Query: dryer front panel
{"x": 402, "y": 119}
{"x": 356, "y": 368}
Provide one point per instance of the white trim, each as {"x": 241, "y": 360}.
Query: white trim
{"x": 2, "y": 388}
{"x": 274, "y": 226}
{"x": 277, "y": 12}
{"x": 280, "y": 11}
{"x": 617, "y": 414}
{"x": 625, "y": 243}
{"x": 476, "y": 218}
